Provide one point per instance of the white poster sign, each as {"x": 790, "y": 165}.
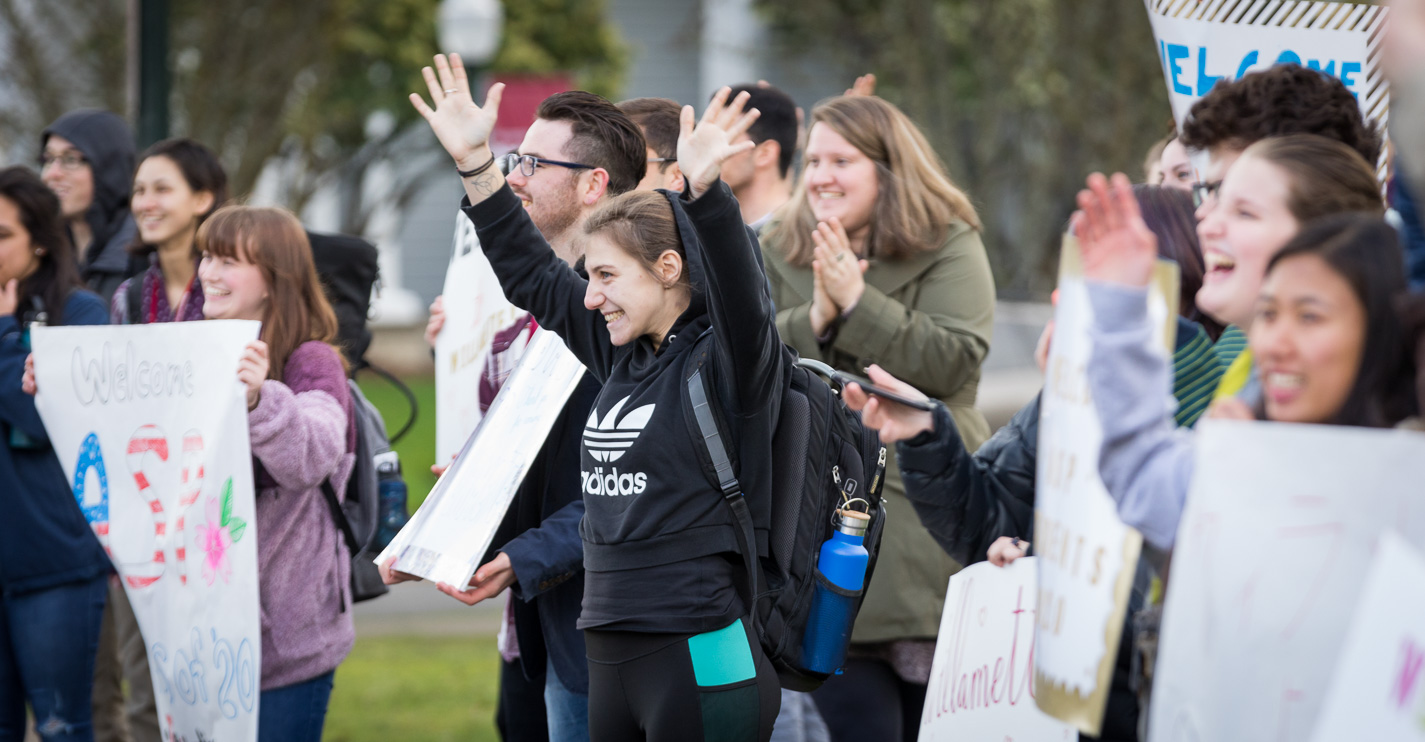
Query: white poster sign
{"x": 1377, "y": 690}
{"x": 981, "y": 681}
{"x": 150, "y": 425}
{"x": 1281, "y": 524}
{"x": 1200, "y": 43}
{"x": 454, "y": 526}
{"x": 475, "y": 311}
{"x": 1087, "y": 556}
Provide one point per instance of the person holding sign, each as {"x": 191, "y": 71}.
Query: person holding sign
{"x": 673, "y": 288}
{"x": 53, "y": 572}
{"x": 1338, "y": 274}
{"x": 257, "y": 265}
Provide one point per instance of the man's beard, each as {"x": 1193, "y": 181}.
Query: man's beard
{"x": 554, "y": 216}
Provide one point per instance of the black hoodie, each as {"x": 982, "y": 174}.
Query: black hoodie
{"x": 108, "y": 144}
{"x": 660, "y": 552}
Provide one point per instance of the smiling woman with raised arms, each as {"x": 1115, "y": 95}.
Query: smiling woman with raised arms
{"x": 674, "y": 288}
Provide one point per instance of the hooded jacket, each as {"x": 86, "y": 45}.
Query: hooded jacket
{"x": 107, "y": 142}
{"x": 660, "y": 552}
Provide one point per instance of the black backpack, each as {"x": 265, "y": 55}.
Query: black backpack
{"x": 820, "y": 452}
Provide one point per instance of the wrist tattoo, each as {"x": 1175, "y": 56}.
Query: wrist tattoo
{"x": 484, "y": 184}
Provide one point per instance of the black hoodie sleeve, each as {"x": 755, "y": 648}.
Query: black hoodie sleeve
{"x": 537, "y": 281}
{"x": 743, "y": 319}
{"x": 967, "y": 501}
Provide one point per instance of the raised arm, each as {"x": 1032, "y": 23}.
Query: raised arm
{"x": 531, "y": 274}
{"x": 741, "y": 310}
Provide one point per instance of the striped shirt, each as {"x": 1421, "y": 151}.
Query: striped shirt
{"x": 1196, "y": 372}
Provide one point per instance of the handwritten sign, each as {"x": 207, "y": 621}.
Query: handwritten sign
{"x": 454, "y": 526}
{"x": 1087, "y": 556}
{"x": 475, "y": 310}
{"x": 1202, "y": 43}
{"x": 1378, "y": 688}
{"x": 981, "y": 681}
{"x": 150, "y": 425}
{"x": 1281, "y": 524}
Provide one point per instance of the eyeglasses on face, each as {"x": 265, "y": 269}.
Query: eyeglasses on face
{"x": 1204, "y": 192}
{"x": 527, "y": 164}
{"x": 70, "y": 160}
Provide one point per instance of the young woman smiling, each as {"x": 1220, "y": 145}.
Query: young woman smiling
{"x": 1274, "y": 188}
{"x": 53, "y": 573}
{"x": 257, "y": 265}
{"x": 178, "y": 184}
{"x": 674, "y": 289}
{"x": 877, "y": 259}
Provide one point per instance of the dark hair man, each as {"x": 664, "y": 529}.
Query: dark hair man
{"x": 762, "y": 178}
{"x": 1280, "y": 100}
{"x": 658, "y": 118}
{"x": 580, "y": 150}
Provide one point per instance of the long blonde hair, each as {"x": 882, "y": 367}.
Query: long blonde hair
{"x": 915, "y": 202}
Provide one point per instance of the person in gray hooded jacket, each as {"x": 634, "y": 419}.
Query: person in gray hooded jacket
{"x": 87, "y": 159}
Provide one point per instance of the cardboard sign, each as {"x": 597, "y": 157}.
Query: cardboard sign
{"x": 454, "y": 526}
{"x": 1087, "y": 557}
{"x": 1377, "y": 690}
{"x": 981, "y": 682}
{"x": 1200, "y": 43}
{"x": 1281, "y": 524}
{"x": 150, "y": 425}
{"x": 475, "y": 311}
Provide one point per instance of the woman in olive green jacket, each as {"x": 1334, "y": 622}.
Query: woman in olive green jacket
{"x": 877, "y": 259}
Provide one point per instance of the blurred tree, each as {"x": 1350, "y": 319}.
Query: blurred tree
{"x": 1022, "y": 98}
{"x": 320, "y": 85}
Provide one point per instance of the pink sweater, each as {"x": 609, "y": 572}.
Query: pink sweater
{"x": 302, "y": 433}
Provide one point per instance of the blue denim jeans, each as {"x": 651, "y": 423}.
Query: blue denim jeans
{"x": 296, "y": 712}
{"x": 48, "y": 640}
{"x": 567, "y": 711}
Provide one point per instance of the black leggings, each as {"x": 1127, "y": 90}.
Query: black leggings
{"x": 869, "y": 701}
{"x": 712, "y": 687}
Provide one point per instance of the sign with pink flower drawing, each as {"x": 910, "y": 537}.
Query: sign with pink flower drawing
{"x": 150, "y": 425}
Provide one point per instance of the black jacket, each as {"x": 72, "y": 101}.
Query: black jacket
{"x": 660, "y": 551}
{"x": 967, "y": 501}
{"x": 108, "y": 144}
{"x": 540, "y": 535}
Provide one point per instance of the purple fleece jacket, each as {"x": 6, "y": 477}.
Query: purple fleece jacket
{"x": 302, "y": 433}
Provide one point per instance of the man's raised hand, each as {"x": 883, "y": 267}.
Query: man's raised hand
{"x": 462, "y": 127}
{"x": 703, "y": 149}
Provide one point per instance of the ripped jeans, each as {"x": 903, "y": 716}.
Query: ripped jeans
{"x": 48, "y": 640}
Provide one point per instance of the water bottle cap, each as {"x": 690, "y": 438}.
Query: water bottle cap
{"x": 852, "y": 522}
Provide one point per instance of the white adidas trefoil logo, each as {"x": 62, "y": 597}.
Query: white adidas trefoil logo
{"x": 607, "y": 441}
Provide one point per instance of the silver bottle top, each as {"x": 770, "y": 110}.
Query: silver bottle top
{"x": 852, "y": 522}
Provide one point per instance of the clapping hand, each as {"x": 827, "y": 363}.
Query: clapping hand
{"x": 462, "y": 127}
{"x": 1117, "y": 246}
{"x": 703, "y": 149}
{"x": 837, "y": 280}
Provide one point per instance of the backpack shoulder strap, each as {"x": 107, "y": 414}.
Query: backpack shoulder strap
{"x": 727, "y": 480}
{"x": 337, "y": 515}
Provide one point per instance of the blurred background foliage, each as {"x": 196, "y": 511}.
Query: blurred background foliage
{"x": 1021, "y": 98}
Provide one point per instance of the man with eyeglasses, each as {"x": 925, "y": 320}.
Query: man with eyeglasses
{"x": 658, "y": 118}
{"x": 580, "y": 151}
{"x": 87, "y": 159}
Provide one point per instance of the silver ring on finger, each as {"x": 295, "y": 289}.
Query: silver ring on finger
{"x": 840, "y": 256}
{"x": 451, "y": 90}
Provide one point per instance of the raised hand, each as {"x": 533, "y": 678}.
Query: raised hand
{"x": 703, "y": 149}
{"x": 462, "y": 127}
{"x": 864, "y": 85}
{"x": 841, "y": 272}
{"x": 895, "y": 421}
{"x": 1117, "y": 246}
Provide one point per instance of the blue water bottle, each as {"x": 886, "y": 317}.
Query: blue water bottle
{"x": 843, "y": 563}
{"x": 391, "y": 495}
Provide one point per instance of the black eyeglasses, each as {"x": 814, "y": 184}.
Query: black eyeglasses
{"x": 70, "y": 160}
{"x": 1204, "y": 192}
{"x": 527, "y": 164}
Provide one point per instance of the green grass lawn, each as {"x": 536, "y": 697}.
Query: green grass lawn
{"x": 417, "y": 448}
{"x": 416, "y": 688}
